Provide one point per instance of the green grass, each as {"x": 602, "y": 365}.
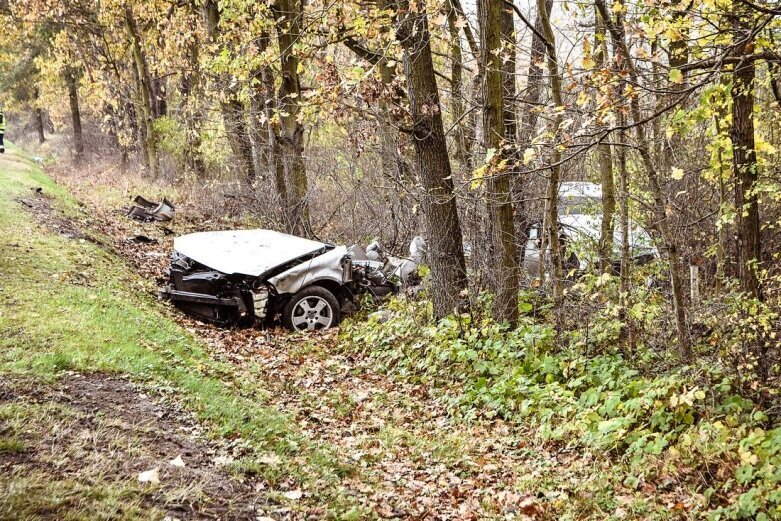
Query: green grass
{"x": 68, "y": 304}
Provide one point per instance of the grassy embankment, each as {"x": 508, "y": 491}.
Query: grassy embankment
{"x": 69, "y": 305}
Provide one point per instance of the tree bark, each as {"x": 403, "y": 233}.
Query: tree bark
{"x": 463, "y": 152}
{"x": 289, "y": 15}
{"x": 193, "y": 111}
{"x": 500, "y": 212}
{"x": 528, "y": 122}
{"x": 605, "y": 158}
{"x": 72, "y": 81}
{"x": 145, "y": 93}
{"x": 660, "y": 207}
{"x": 744, "y": 166}
{"x": 234, "y": 114}
{"x": 555, "y": 171}
{"x": 446, "y": 253}
{"x": 265, "y": 102}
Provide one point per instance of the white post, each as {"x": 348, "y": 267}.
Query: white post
{"x": 694, "y": 276}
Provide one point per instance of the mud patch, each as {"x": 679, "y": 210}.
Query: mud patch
{"x": 96, "y": 426}
{"x": 39, "y": 205}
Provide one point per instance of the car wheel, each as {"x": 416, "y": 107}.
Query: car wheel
{"x": 313, "y": 308}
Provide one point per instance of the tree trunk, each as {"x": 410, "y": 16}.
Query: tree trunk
{"x": 145, "y": 93}
{"x": 234, "y": 114}
{"x": 626, "y": 264}
{"x": 660, "y": 203}
{"x": 446, "y": 253}
{"x": 265, "y": 103}
{"x": 528, "y": 122}
{"x": 288, "y": 15}
{"x": 498, "y": 202}
{"x": 553, "y": 183}
{"x": 39, "y": 124}
{"x": 193, "y": 111}
{"x": 744, "y": 166}
{"x": 463, "y": 153}
{"x": 605, "y": 157}
{"x": 72, "y": 81}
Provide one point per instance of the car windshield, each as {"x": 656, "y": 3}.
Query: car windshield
{"x": 579, "y": 205}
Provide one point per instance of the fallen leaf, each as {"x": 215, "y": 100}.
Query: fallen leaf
{"x": 150, "y": 476}
{"x": 269, "y": 459}
{"x": 222, "y": 460}
{"x": 293, "y": 494}
{"x": 177, "y": 462}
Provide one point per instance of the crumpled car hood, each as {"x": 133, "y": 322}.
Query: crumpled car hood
{"x": 245, "y": 252}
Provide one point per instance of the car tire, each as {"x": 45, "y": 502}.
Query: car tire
{"x": 311, "y": 309}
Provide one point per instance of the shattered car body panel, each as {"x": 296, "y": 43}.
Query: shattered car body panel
{"x": 329, "y": 266}
{"x": 148, "y": 211}
{"x": 234, "y": 277}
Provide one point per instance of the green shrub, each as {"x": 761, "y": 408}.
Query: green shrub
{"x": 690, "y": 418}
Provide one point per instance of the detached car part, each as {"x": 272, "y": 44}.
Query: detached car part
{"x": 243, "y": 276}
{"x": 148, "y": 211}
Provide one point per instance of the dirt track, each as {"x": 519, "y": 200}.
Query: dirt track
{"x": 103, "y": 427}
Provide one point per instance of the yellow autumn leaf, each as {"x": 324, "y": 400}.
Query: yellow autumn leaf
{"x": 677, "y": 173}
{"x": 528, "y": 155}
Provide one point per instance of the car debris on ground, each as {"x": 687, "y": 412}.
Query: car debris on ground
{"x": 149, "y": 211}
{"x": 248, "y": 276}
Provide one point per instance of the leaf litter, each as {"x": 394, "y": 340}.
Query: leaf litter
{"x": 410, "y": 458}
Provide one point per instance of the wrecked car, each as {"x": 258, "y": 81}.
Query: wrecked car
{"x": 247, "y": 276}
{"x": 580, "y": 223}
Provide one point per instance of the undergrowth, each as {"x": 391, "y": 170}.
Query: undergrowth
{"x": 688, "y": 422}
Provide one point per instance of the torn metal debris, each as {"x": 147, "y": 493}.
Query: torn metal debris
{"x": 149, "y": 211}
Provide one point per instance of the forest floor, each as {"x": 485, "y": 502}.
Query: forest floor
{"x": 113, "y": 405}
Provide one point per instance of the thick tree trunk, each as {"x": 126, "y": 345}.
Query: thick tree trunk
{"x": 446, "y": 253}
{"x": 72, "y": 81}
{"x": 145, "y": 93}
{"x": 289, "y": 15}
{"x": 193, "y": 111}
{"x": 744, "y": 167}
{"x": 234, "y": 117}
{"x": 268, "y": 133}
{"x": 500, "y": 212}
{"x": 234, "y": 114}
{"x": 528, "y": 122}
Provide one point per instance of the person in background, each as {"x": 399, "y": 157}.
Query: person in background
{"x": 2, "y": 131}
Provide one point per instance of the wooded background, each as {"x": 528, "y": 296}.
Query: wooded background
{"x": 348, "y": 120}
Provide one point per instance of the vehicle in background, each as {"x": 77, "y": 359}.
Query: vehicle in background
{"x": 244, "y": 276}
{"x": 580, "y": 223}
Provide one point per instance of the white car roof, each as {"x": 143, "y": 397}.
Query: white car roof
{"x": 245, "y": 252}
{"x": 580, "y": 189}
